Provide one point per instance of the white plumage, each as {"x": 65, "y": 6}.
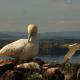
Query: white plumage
{"x": 72, "y": 50}
{"x": 23, "y": 49}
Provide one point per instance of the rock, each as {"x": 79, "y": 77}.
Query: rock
{"x": 78, "y": 74}
{"x": 37, "y": 69}
{"x": 20, "y": 75}
{"x": 30, "y": 67}
{"x": 13, "y": 75}
{"x": 53, "y": 73}
{"x": 39, "y": 61}
{"x": 6, "y": 67}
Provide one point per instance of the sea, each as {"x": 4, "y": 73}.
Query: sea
{"x": 59, "y": 58}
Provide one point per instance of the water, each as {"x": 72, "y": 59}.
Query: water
{"x": 49, "y": 58}
{"x": 59, "y": 58}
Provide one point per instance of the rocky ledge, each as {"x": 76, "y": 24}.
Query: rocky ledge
{"x": 40, "y": 70}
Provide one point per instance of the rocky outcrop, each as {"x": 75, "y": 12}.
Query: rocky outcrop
{"x": 40, "y": 70}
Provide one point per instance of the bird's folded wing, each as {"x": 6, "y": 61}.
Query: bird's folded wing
{"x": 7, "y": 51}
{"x": 13, "y": 48}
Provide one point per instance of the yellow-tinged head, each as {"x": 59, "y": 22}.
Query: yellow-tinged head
{"x": 32, "y": 30}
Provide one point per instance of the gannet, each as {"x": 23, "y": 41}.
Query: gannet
{"x": 72, "y": 50}
{"x": 22, "y": 49}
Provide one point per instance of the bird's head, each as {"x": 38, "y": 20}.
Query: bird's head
{"x": 32, "y": 30}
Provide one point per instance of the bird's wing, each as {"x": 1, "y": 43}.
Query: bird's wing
{"x": 13, "y": 48}
{"x": 71, "y": 52}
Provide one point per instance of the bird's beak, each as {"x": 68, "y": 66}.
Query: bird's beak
{"x": 29, "y": 36}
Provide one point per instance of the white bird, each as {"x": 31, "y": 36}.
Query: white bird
{"x": 72, "y": 50}
{"x": 22, "y": 49}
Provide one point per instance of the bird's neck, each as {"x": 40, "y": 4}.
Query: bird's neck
{"x": 34, "y": 38}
